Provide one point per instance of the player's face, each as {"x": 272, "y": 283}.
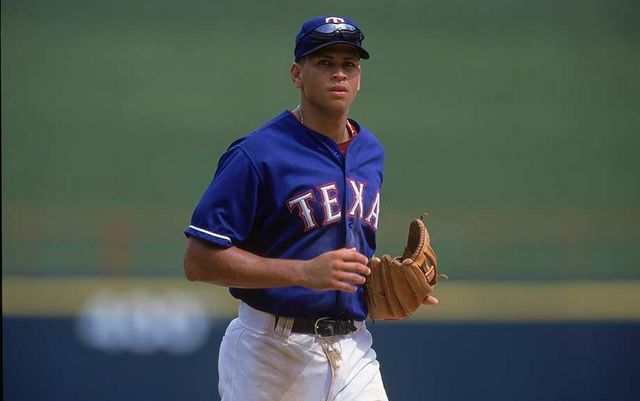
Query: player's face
{"x": 329, "y": 78}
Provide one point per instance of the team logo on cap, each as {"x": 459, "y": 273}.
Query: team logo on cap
{"x": 334, "y": 20}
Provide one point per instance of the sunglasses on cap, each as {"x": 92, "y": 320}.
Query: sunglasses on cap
{"x": 326, "y": 32}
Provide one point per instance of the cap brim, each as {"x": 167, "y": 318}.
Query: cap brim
{"x": 361, "y": 51}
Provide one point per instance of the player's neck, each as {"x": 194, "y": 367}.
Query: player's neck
{"x": 330, "y": 124}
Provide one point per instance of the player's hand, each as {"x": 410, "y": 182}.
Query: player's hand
{"x": 430, "y": 300}
{"x": 342, "y": 269}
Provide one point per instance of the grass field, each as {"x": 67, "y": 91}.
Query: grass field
{"x": 514, "y": 122}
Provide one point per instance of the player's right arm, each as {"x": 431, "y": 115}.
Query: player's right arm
{"x": 341, "y": 269}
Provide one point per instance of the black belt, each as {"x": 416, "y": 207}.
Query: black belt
{"x": 323, "y": 327}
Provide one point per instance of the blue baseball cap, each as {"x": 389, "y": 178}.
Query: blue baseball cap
{"x": 320, "y": 32}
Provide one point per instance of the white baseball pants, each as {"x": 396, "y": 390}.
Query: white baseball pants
{"x": 262, "y": 361}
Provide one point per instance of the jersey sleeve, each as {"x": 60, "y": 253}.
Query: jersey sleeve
{"x": 226, "y": 212}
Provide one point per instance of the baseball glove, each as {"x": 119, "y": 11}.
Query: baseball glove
{"x": 397, "y": 286}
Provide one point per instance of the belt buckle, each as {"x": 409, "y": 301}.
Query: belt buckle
{"x": 328, "y": 332}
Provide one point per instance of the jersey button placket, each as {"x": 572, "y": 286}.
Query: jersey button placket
{"x": 350, "y": 240}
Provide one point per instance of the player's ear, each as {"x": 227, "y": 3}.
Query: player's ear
{"x": 296, "y": 75}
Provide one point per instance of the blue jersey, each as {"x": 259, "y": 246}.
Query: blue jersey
{"x": 286, "y": 191}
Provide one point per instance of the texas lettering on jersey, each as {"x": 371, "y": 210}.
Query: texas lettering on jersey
{"x": 328, "y": 196}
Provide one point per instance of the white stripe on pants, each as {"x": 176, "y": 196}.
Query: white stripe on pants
{"x": 262, "y": 361}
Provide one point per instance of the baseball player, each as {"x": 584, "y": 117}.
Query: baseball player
{"x": 289, "y": 223}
